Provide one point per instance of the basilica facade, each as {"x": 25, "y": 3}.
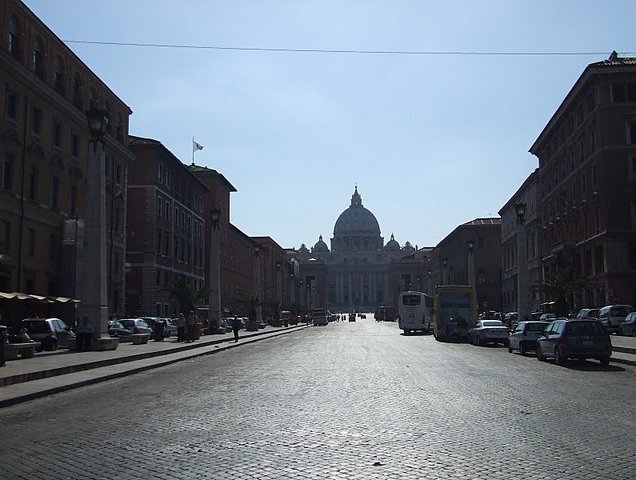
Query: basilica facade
{"x": 359, "y": 272}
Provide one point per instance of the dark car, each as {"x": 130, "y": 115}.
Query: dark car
{"x": 587, "y": 313}
{"x": 628, "y": 327}
{"x": 579, "y": 338}
{"x": 49, "y": 332}
{"x": 116, "y": 329}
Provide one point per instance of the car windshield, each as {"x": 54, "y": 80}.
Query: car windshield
{"x": 128, "y": 323}
{"x": 492, "y": 323}
{"x": 116, "y": 324}
{"x": 584, "y": 328}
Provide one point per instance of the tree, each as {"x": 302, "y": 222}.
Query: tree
{"x": 251, "y": 303}
{"x": 559, "y": 285}
{"x": 187, "y": 295}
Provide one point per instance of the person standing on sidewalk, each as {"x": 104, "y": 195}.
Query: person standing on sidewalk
{"x": 181, "y": 323}
{"x": 236, "y": 326}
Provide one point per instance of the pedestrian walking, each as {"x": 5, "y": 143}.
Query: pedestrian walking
{"x": 84, "y": 335}
{"x": 189, "y": 330}
{"x": 181, "y": 324}
{"x": 236, "y": 326}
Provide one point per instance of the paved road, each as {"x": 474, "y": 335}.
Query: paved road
{"x": 345, "y": 401}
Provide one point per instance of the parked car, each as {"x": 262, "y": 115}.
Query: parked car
{"x": 136, "y": 325}
{"x": 488, "y": 331}
{"x": 628, "y": 327}
{"x": 611, "y": 316}
{"x": 524, "y": 336}
{"x": 535, "y": 316}
{"x": 116, "y": 329}
{"x": 510, "y": 319}
{"x": 171, "y": 327}
{"x": 587, "y": 313}
{"x": 51, "y": 333}
{"x": 579, "y": 338}
{"x": 547, "y": 317}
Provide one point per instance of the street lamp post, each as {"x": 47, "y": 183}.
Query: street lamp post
{"x": 471, "y": 263}
{"x": 94, "y": 265}
{"x": 522, "y": 262}
{"x": 445, "y": 272}
{"x": 214, "y": 298}
{"x": 257, "y": 284}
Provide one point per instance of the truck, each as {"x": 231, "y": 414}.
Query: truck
{"x": 455, "y": 312}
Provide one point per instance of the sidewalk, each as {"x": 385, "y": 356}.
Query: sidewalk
{"x": 53, "y": 372}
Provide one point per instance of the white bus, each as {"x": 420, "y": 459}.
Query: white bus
{"x": 416, "y": 311}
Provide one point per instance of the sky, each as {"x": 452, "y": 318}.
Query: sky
{"x": 434, "y": 130}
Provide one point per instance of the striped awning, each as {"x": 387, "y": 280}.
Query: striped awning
{"x": 37, "y": 298}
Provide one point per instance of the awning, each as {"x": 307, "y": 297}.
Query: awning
{"x": 37, "y": 298}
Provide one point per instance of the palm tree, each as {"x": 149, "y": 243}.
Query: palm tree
{"x": 187, "y": 295}
{"x": 559, "y": 285}
{"x": 252, "y": 301}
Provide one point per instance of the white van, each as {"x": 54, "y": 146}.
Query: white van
{"x": 611, "y": 316}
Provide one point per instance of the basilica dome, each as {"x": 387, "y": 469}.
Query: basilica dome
{"x": 356, "y": 220}
{"x": 321, "y": 246}
{"x": 392, "y": 244}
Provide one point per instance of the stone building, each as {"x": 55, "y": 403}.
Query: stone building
{"x": 166, "y": 229}
{"x": 359, "y": 272}
{"x": 521, "y": 236}
{"x": 471, "y": 255}
{"x": 587, "y": 183}
{"x": 46, "y": 90}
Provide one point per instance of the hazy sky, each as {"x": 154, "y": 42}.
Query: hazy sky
{"x": 431, "y": 140}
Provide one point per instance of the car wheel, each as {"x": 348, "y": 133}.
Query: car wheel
{"x": 540, "y": 355}
{"x": 522, "y": 348}
{"x": 559, "y": 359}
{"x": 509, "y": 349}
{"x": 478, "y": 341}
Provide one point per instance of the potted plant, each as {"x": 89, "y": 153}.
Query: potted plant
{"x": 252, "y": 302}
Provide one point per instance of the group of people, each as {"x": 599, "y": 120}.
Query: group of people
{"x": 185, "y": 327}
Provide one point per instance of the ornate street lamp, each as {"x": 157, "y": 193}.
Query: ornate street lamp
{"x": 520, "y": 210}
{"x": 97, "y": 122}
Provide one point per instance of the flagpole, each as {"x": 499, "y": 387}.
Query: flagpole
{"x": 192, "y": 150}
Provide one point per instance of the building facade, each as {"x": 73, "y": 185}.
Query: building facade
{"x": 239, "y": 254}
{"x": 521, "y": 248}
{"x": 587, "y": 183}
{"x": 46, "y": 91}
{"x": 471, "y": 255}
{"x": 359, "y": 272}
{"x": 166, "y": 229}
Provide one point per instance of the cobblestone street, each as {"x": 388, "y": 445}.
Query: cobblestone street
{"x": 346, "y": 401}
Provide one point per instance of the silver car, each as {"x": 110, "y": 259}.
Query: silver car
{"x": 524, "y": 336}
{"x": 488, "y": 331}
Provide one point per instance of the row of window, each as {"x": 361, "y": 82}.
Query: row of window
{"x": 163, "y": 178}
{"x": 570, "y": 124}
{"x": 58, "y": 80}
{"x": 183, "y": 219}
{"x": 29, "y": 242}
{"x": 183, "y": 251}
{"x": 33, "y": 185}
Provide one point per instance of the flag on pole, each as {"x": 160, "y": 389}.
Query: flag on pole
{"x": 196, "y": 146}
